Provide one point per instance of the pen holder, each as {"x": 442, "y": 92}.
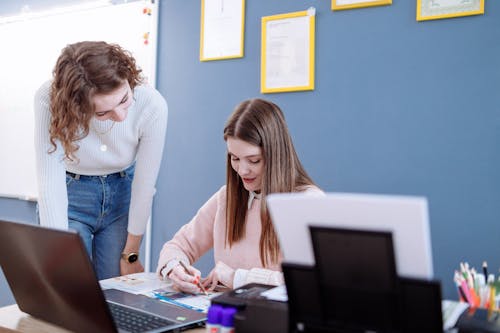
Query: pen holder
{"x": 479, "y": 290}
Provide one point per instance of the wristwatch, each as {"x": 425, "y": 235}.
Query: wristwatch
{"x": 130, "y": 257}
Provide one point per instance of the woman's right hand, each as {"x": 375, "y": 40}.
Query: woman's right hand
{"x": 186, "y": 282}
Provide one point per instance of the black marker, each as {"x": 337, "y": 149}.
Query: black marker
{"x": 485, "y": 270}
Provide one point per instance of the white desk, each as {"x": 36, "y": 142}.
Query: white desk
{"x": 14, "y": 320}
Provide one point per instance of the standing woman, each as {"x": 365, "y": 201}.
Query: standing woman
{"x": 99, "y": 137}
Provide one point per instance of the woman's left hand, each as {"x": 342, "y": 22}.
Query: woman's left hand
{"x": 221, "y": 274}
{"x": 132, "y": 245}
{"x": 129, "y": 268}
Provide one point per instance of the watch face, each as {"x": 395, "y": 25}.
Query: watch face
{"x": 132, "y": 257}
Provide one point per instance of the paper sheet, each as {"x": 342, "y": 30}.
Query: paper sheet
{"x": 276, "y": 294}
{"x": 151, "y": 285}
{"x": 138, "y": 283}
{"x": 451, "y": 312}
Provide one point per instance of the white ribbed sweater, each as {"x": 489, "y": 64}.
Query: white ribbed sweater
{"x": 140, "y": 138}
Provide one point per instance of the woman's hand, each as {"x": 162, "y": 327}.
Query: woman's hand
{"x": 186, "y": 281}
{"x": 132, "y": 245}
{"x": 129, "y": 268}
{"x": 221, "y": 274}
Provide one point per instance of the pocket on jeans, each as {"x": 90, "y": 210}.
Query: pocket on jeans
{"x": 69, "y": 180}
{"x": 129, "y": 173}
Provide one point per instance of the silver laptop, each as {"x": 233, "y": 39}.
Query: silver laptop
{"x": 51, "y": 278}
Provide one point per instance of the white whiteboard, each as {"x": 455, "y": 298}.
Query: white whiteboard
{"x": 31, "y": 44}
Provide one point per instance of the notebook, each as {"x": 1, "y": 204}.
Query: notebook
{"x": 51, "y": 278}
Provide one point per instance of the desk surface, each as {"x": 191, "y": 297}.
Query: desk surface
{"x": 14, "y": 320}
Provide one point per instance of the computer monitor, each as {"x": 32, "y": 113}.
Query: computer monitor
{"x": 405, "y": 216}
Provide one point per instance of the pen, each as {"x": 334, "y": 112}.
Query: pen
{"x": 198, "y": 283}
{"x": 461, "y": 290}
{"x": 462, "y": 294}
{"x": 485, "y": 269}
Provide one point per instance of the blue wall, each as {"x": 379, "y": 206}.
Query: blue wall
{"x": 400, "y": 107}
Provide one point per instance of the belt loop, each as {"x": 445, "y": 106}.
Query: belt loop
{"x": 77, "y": 177}
{"x": 122, "y": 174}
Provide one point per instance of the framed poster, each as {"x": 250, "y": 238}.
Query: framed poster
{"x": 350, "y": 4}
{"x": 222, "y": 29}
{"x": 440, "y": 9}
{"x": 287, "y": 52}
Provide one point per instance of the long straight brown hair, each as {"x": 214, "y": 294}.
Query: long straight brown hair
{"x": 261, "y": 123}
{"x": 83, "y": 70}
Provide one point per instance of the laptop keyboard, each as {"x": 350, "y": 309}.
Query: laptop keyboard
{"x": 135, "y": 321}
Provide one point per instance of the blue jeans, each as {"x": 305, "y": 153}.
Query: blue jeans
{"x": 98, "y": 209}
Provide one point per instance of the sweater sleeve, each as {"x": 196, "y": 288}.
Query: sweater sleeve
{"x": 257, "y": 275}
{"x": 51, "y": 171}
{"x": 194, "y": 238}
{"x": 148, "y": 160}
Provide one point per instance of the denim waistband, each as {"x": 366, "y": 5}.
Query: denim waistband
{"x": 120, "y": 174}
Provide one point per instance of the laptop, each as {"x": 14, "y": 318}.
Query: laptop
{"x": 51, "y": 278}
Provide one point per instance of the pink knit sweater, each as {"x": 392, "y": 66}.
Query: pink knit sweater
{"x": 208, "y": 229}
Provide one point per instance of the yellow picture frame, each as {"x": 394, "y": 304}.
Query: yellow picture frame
{"x": 288, "y": 52}
{"x": 222, "y": 29}
{"x": 432, "y": 10}
{"x": 352, "y": 4}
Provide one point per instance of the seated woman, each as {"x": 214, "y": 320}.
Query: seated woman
{"x": 261, "y": 159}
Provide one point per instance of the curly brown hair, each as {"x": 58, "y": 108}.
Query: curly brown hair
{"x": 83, "y": 70}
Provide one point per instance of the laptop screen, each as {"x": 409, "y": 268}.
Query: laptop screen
{"x": 51, "y": 277}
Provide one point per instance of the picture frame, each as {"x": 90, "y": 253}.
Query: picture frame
{"x": 288, "y": 52}
{"x": 442, "y": 9}
{"x": 222, "y": 29}
{"x": 352, "y": 4}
